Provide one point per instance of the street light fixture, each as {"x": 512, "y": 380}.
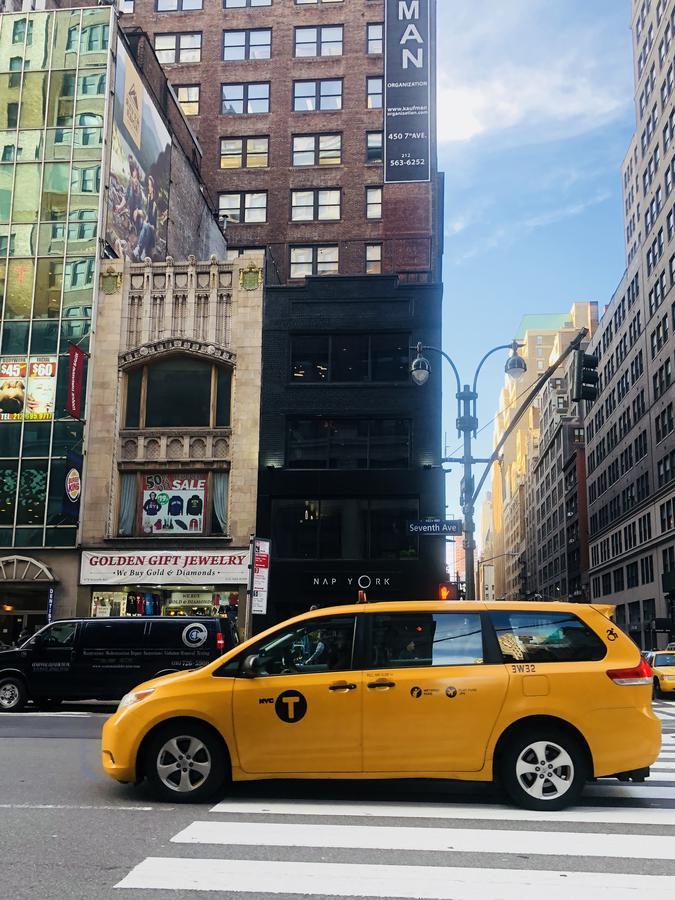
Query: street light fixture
{"x": 420, "y": 369}
{"x": 515, "y": 366}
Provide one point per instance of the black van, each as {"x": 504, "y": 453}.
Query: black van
{"x": 102, "y": 659}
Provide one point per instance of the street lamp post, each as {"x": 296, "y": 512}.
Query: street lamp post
{"x": 467, "y": 427}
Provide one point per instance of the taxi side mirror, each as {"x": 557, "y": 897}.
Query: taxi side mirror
{"x": 36, "y": 640}
{"x": 251, "y": 666}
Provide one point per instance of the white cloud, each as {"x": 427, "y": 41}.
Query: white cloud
{"x": 521, "y": 66}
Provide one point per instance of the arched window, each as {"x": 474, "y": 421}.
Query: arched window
{"x": 178, "y": 392}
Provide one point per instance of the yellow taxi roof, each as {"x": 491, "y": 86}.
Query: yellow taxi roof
{"x": 453, "y": 606}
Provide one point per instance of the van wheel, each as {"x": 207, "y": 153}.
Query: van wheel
{"x": 13, "y": 694}
{"x": 185, "y": 763}
{"x": 543, "y": 769}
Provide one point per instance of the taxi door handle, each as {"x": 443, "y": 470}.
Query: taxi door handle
{"x": 381, "y": 684}
{"x": 342, "y": 686}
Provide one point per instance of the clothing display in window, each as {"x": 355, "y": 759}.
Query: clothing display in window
{"x": 194, "y": 506}
{"x": 176, "y": 506}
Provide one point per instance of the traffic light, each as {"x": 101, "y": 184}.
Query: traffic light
{"x": 447, "y": 590}
{"x": 584, "y": 376}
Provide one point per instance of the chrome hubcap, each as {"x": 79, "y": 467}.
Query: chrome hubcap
{"x": 545, "y": 770}
{"x": 9, "y": 696}
{"x": 183, "y": 764}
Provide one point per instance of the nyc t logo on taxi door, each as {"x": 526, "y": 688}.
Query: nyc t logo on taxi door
{"x": 290, "y": 706}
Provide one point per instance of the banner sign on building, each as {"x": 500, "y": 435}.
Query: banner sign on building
{"x": 76, "y": 357}
{"x": 72, "y": 486}
{"x": 261, "y": 576}
{"x": 407, "y": 91}
{"x": 196, "y": 566}
{"x": 28, "y": 388}
{"x": 173, "y": 504}
{"x": 140, "y": 166}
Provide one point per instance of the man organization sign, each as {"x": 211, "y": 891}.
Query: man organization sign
{"x": 407, "y": 120}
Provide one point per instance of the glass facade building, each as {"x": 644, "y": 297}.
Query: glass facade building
{"x": 54, "y": 74}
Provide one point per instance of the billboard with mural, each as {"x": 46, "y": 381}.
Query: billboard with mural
{"x": 172, "y": 503}
{"x": 140, "y": 168}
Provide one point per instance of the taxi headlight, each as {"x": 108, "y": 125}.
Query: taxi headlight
{"x": 134, "y": 697}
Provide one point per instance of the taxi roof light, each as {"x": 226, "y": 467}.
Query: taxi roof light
{"x": 640, "y": 674}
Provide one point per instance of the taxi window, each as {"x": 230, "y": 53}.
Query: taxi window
{"x": 409, "y": 640}
{"x": 320, "y": 645}
{"x": 545, "y": 637}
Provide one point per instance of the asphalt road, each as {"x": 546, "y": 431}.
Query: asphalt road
{"x": 66, "y": 831}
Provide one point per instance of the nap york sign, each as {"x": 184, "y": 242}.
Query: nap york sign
{"x": 407, "y": 92}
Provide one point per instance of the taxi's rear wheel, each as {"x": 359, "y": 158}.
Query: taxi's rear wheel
{"x": 185, "y": 763}
{"x": 544, "y": 769}
{"x": 657, "y": 689}
{"x": 13, "y": 694}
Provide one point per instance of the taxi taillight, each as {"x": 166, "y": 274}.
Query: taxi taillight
{"x": 220, "y": 641}
{"x": 640, "y": 674}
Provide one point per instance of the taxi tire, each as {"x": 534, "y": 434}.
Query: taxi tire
{"x": 214, "y": 782}
{"x": 518, "y": 742}
{"x": 657, "y": 689}
{"x": 19, "y": 691}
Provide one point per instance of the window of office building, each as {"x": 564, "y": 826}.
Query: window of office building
{"x": 240, "y": 4}
{"x": 314, "y": 260}
{"x": 309, "y": 96}
{"x": 179, "y": 392}
{"x": 248, "y": 98}
{"x": 179, "y": 48}
{"x": 354, "y": 358}
{"x": 251, "y": 43}
{"x": 374, "y": 92}
{"x": 243, "y": 206}
{"x": 325, "y": 40}
{"x": 317, "y": 149}
{"x": 315, "y": 205}
{"x": 374, "y": 203}
{"x": 374, "y": 149}
{"x": 244, "y": 153}
{"x": 344, "y": 528}
{"x": 178, "y": 5}
{"x": 373, "y": 259}
{"x": 188, "y": 98}
{"x": 375, "y": 39}
{"x": 318, "y": 443}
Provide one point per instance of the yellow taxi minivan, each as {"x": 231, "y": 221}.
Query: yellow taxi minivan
{"x": 538, "y": 696}
{"x": 663, "y": 667}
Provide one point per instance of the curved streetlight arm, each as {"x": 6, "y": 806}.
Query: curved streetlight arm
{"x": 512, "y": 346}
{"x": 420, "y": 347}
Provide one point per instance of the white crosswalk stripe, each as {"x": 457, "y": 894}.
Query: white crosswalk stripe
{"x": 591, "y": 861}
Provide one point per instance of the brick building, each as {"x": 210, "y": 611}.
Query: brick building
{"x": 286, "y": 99}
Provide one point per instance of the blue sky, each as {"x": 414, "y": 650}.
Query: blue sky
{"x": 535, "y": 115}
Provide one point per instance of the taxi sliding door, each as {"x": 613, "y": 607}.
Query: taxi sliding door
{"x": 301, "y": 711}
{"x": 430, "y": 699}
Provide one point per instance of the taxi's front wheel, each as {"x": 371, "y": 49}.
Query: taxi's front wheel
{"x": 185, "y": 763}
{"x": 543, "y": 769}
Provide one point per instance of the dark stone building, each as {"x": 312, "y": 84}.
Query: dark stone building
{"x": 349, "y": 446}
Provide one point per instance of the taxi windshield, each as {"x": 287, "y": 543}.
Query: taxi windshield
{"x": 664, "y": 659}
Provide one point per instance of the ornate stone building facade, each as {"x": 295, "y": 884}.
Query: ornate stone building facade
{"x": 172, "y": 460}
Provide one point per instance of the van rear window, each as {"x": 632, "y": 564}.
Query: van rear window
{"x": 545, "y": 637}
